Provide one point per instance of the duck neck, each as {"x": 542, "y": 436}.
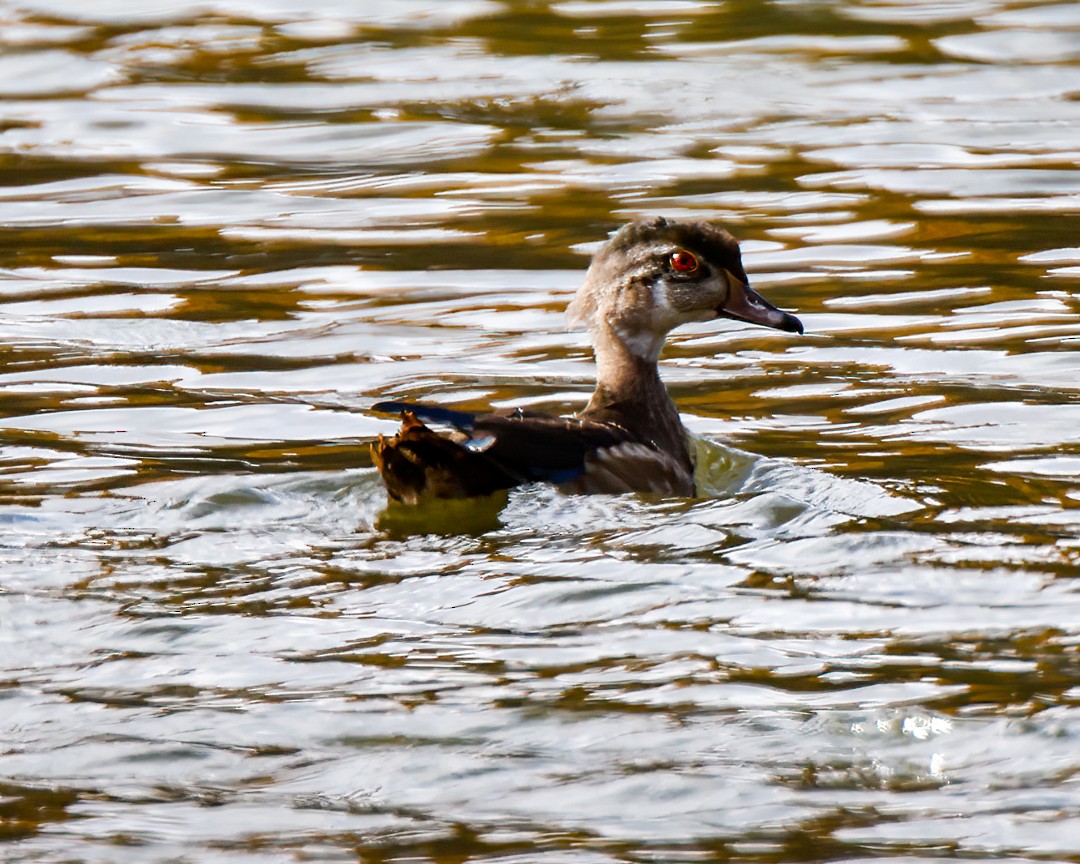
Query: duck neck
{"x": 629, "y": 391}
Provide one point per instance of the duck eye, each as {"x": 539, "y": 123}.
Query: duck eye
{"x": 683, "y": 261}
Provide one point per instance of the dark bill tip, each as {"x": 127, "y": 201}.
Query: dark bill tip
{"x": 790, "y": 324}
{"x": 745, "y": 304}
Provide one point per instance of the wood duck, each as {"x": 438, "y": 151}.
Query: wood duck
{"x": 649, "y": 278}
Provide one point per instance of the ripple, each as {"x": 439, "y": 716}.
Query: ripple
{"x": 792, "y": 44}
{"x": 185, "y": 426}
{"x": 953, "y": 183}
{"x": 1052, "y": 466}
{"x": 1051, "y": 16}
{"x": 43, "y": 73}
{"x": 390, "y": 13}
{"x": 922, "y": 12}
{"x": 1012, "y": 46}
{"x": 86, "y": 131}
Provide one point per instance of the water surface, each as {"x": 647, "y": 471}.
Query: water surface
{"x": 232, "y": 226}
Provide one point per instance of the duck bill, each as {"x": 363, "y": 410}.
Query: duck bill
{"x": 745, "y": 304}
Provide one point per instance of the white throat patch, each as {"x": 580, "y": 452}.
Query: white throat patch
{"x": 641, "y": 343}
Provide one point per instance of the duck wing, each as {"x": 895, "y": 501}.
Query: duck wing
{"x": 632, "y": 467}
{"x": 484, "y": 453}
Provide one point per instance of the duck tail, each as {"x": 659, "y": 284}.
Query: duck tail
{"x": 417, "y": 464}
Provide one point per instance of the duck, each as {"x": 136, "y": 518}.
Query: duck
{"x": 650, "y": 277}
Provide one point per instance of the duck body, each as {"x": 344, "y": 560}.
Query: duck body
{"x": 488, "y": 452}
{"x": 650, "y": 277}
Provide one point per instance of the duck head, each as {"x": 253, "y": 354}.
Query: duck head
{"x": 656, "y": 274}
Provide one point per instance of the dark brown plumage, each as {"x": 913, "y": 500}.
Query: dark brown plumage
{"x": 650, "y": 277}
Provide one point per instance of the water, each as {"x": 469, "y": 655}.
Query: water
{"x": 231, "y": 226}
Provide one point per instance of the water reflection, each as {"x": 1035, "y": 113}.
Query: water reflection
{"x": 233, "y": 225}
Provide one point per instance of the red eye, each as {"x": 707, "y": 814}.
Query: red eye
{"x": 683, "y": 261}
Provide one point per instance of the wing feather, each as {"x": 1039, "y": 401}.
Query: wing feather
{"x": 489, "y": 452}
{"x": 632, "y": 467}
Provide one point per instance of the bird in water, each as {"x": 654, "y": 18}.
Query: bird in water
{"x": 650, "y": 277}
